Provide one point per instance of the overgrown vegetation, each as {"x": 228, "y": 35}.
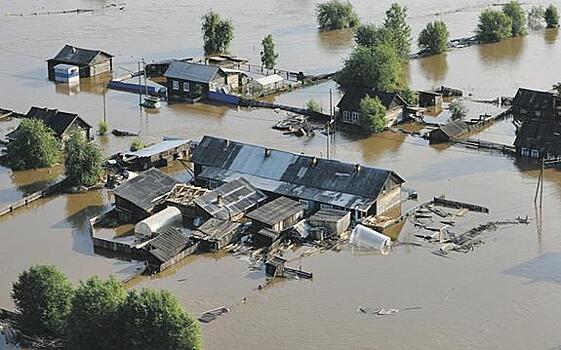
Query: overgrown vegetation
{"x": 518, "y": 17}
{"x": 83, "y": 161}
{"x": 372, "y": 114}
{"x": 314, "y": 106}
{"x": 268, "y": 55}
{"x": 551, "y": 16}
{"x": 137, "y": 145}
{"x": 100, "y": 314}
{"x": 457, "y": 110}
{"x": 493, "y": 26}
{"x": 103, "y": 127}
{"x": 35, "y": 146}
{"x": 217, "y": 33}
{"x": 336, "y": 14}
{"x": 433, "y": 39}
{"x": 410, "y": 96}
{"x": 536, "y": 18}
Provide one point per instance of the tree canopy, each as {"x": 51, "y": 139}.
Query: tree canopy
{"x": 372, "y": 114}
{"x": 518, "y": 17}
{"x": 434, "y": 37}
{"x": 370, "y": 35}
{"x": 336, "y": 14}
{"x": 551, "y": 17}
{"x": 268, "y": 55}
{"x": 92, "y": 323}
{"x": 378, "y": 67}
{"x": 398, "y": 30}
{"x": 83, "y": 161}
{"x": 155, "y": 320}
{"x": 217, "y": 33}
{"x": 493, "y": 26}
{"x": 42, "y": 295}
{"x": 35, "y": 146}
{"x": 536, "y": 17}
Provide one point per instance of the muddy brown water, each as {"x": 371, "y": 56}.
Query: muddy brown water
{"x": 504, "y": 295}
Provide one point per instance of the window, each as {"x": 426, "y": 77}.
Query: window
{"x": 346, "y": 116}
{"x": 355, "y": 117}
{"x": 175, "y": 84}
{"x": 535, "y": 153}
{"x": 185, "y": 86}
{"x": 525, "y": 152}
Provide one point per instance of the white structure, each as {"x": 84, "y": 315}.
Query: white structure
{"x": 171, "y": 216}
{"x": 364, "y": 237}
{"x": 66, "y": 73}
{"x": 270, "y": 82}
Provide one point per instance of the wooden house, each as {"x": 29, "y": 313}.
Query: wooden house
{"x": 331, "y": 221}
{"x": 187, "y": 81}
{"x": 448, "y": 132}
{"x": 278, "y": 215}
{"x": 215, "y": 234}
{"x": 430, "y": 99}
{"x": 157, "y": 155}
{"x": 167, "y": 248}
{"x": 349, "y": 105}
{"x": 63, "y": 124}
{"x": 90, "y": 62}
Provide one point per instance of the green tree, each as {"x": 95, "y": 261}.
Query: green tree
{"x": 336, "y": 14}
{"x": 103, "y": 127}
{"x": 314, "y": 106}
{"x": 372, "y": 114}
{"x": 217, "y": 33}
{"x": 536, "y": 17}
{"x": 434, "y": 37}
{"x": 137, "y": 145}
{"x": 370, "y": 35}
{"x": 42, "y": 295}
{"x": 35, "y": 146}
{"x": 457, "y": 110}
{"x": 398, "y": 30}
{"x": 268, "y": 55}
{"x": 93, "y": 321}
{"x": 551, "y": 17}
{"x": 83, "y": 161}
{"x": 410, "y": 96}
{"x": 518, "y": 17}
{"x": 379, "y": 67}
{"x": 493, "y": 26}
{"x": 155, "y": 320}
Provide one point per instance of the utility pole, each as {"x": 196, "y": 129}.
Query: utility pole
{"x": 329, "y": 123}
{"x": 145, "y": 77}
{"x": 139, "y": 84}
{"x": 104, "y": 104}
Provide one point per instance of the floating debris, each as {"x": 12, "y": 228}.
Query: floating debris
{"x": 212, "y": 315}
{"x": 383, "y": 311}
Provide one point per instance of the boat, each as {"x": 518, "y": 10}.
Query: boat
{"x": 118, "y": 132}
{"x": 151, "y": 102}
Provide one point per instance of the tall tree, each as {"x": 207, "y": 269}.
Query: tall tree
{"x": 493, "y": 26}
{"x": 536, "y": 17}
{"x": 336, "y": 14}
{"x": 398, "y": 29}
{"x": 370, "y": 35}
{"x": 35, "y": 146}
{"x": 434, "y": 37}
{"x": 42, "y": 295}
{"x": 518, "y": 17}
{"x": 378, "y": 67}
{"x": 83, "y": 161}
{"x": 551, "y": 17}
{"x": 155, "y": 320}
{"x": 372, "y": 114}
{"x": 93, "y": 320}
{"x": 217, "y": 33}
{"x": 268, "y": 55}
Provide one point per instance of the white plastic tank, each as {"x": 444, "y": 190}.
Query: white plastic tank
{"x": 65, "y": 73}
{"x": 171, "y": 216}
{"x": 365, "y": 237}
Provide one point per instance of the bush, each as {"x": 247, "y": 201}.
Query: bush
{"x": 434, "y": 37}
{"x": 551, "y": 17}
{"x": 268, "y": 55}
{"x": 493, "y": 26}
{"x": 410, "y": 96}
{"x": 217, "y": 33}
{"x": 379, "y": 67}
{"x": 155, "y": 320}
{"x": 457, "y": 110}
{"x": 83, "y": 161}
{"x": 370, "y": 35}
{"x": 372, "y": 114}
{"x": 536, "y": 17}
{"x": 42, "y": 295}
{"x": 336, "y": 14}
{"x": 137, "y": 145}
{"x": 518, "y": 17}
{"x": 103, "y": 127}
{"x": 35, "y": 146}
{"x": 314, "y": 106}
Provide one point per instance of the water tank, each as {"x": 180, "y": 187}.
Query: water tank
{"x": 367, "y": 238}
{"x": 171, "y": 216}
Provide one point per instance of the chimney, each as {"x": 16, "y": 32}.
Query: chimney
{"x": 314, "y": 161}
{"x": 219, "y": 200}
{"x": 226, "y": 143}
{"x": 73, "y": 49}
{"x": 358, "y": 167}
{"x": 267, "y": 152}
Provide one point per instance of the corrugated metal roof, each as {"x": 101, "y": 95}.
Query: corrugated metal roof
{"x": 147, "y": 189}
{"x": 198, "y": 73}
{"x": 323, "y": 180}
{"x": 157, "y": 148}
{"x": 237, "y": 197}
{"x": 78, "y": 56}
{"x": 167, "y": 244}
{"x": 216, "y": 229}
{"x": 276, "y": 211}
{"x": 455, "y": 128}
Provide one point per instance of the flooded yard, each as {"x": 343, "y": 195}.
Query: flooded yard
{"x": 466, "y": 301}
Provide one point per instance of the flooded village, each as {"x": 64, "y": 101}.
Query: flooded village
{"x": 252, "y": 208}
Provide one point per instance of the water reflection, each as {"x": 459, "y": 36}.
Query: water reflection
{"x": 336, "y": 39}
{"x": 435, "y": 68}
{"x": 506, "y": 50}
{"x": 550, "y": 35}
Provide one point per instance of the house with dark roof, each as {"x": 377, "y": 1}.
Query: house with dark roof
{"x": 187, "y": 81}
{"x": 349, "y": 105}
{"x": 167, "y": 248}
{"x": 215, "y": 233}
{"x": 278, "y": 215}
{"x": 448, "y": 132}
{"x": 62, "y": 123}
{"x": 141, "y": 196}
{"x": 315, "y": 182}
{"x": 90, "y": 62}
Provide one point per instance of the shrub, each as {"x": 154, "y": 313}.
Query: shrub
{"x": 518, "y": 17}
{"x": 217, "y": 33}
{"x": 372, "y": 114}
{"x": 103, "y": 127}
{"x": 551, "y": 17}
{"x": 434, "y": 37}
{"x": 137, "y": 145}
{"x": 493, "y": 26}
{"x": 83, "y": 161}
{"x": 336, "y": 14}
{"x": 35, "y": 146}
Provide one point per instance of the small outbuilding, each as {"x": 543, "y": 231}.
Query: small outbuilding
{"x": 157, "y": 155}
{"x": 332, "y": 221}
{"x": 430, "y": 99}
{"x": 279, "y": 215}
{"x": 169, "y": 247}
{"x": 448, "y": 132}
{"x": 170, "y": 216}
{"x": 89, "y": 62}
{"x": 268, "y": 83}
{"x": 215, "y": 234}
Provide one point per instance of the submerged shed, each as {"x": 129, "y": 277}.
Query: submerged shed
{"x": 157, "y": 155}
{"x": 215, "y": 234}
{"x": 278, "y": 215}
{"x": 333, "y": 221}
{"x": 448, "y": 132}
{"x": 167, "y": 248}
{"x": 90, "y": 62}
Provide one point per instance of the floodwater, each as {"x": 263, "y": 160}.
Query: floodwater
{"x": 504, "y": 295}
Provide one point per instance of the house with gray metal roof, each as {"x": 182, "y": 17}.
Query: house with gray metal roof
{"x": 315, "y": 182}
{"x": 90, "y": 62}
{"x": 188, "y": 81}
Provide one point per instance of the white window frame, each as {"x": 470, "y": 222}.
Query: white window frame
{"x": 185, "y": 86}
{"x": 346, "y": 116}
{"x": 175, "y": 85}
{"x": 535, "y": 153}
{"x": 355, "y": 117}
{"x": 525, "y": 152}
